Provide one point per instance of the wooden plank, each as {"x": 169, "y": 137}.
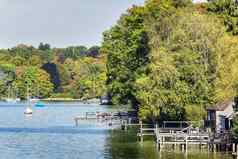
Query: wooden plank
{"x": 148, "y": 129}
{"x": 145, "y": 134}
{"x": 184, "y": 142}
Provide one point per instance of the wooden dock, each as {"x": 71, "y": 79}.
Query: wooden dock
{"x": 182, "y": 136}
{"x": 111, "y": 118}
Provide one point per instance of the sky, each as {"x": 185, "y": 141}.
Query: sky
{"x": 60, "y": 23}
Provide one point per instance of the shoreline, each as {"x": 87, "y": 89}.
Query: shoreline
{"x": 89, "y": 101}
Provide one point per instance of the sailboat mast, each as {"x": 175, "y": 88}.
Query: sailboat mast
{"x": 27, "y": 90}
{"x": 9, "y": 91}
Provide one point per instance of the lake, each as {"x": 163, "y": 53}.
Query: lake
{"x": 50, "y": 133}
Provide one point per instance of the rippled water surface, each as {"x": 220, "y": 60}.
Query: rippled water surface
{"x": 51, "y": 134}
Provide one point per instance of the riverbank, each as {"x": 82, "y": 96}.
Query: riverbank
{"x": 89, "y": 101}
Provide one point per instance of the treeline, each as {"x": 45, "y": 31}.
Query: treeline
{"x": 73, "y": 72}
{"x": 170, "y": 59}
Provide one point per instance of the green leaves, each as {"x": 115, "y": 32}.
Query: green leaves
{"x": 228, "y": 9}
{"x": 235, "y": 128}
{"x": 126, "y": 46}
{"x": 36, "y": 80}
{"x": 172, "y": 59}
{"x": 83, "y": 78}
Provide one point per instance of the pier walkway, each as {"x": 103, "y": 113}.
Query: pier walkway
{"x": 182, "y": 135}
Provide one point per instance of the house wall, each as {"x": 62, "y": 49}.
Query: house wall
{"x": 226, "y": 113}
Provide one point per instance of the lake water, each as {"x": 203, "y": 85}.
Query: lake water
{"x": 51, "y": 134}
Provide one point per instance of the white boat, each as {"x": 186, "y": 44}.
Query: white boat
{"x": 18, "y": 99}
{"x": 28, "y": 111}
{"x": 11, "y": 95}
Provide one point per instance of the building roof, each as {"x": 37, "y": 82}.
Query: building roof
{"x": 221, "y": 106}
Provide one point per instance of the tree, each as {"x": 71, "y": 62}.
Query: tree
{"x": 44, "y": 47}
{"x": 7, "y": 76}
{"x": 36, "y": 80}
{"x": 179, "y": 66}
{"x": 90, "y": 77}
{"x": 126, "y": 47}
{"x": 182, "y": 68}
{"x": 93, "y": 51}
{"x": 75, "y": 52}
{"x": 52, "y": 70}
{"x": 229, "y": 11}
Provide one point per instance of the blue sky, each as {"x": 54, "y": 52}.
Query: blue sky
{"x": 58, "y": 22}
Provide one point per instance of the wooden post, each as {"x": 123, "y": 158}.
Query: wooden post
{"x": 182, "y": 147}
{"x": 216, "y": 147}
{"x": 141, "y": 132}
{"x": 175, "y": 144}
{"x": 186, "y": 142}
{"x": 158, "y": 143}
{"x": 126, "y": 125}
{"x": 156, "y": 128}
{"x": 236, "y": 150}
{"x": 208, "y": 146}
{"x": 200, "y": 142}
{"x": 227, "y": 147}
{"x": 156, "y": 135}
{"x": 110, "y": 123}
{"x": 129, "y": 120}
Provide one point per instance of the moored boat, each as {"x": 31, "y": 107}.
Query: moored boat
{"x": 28, "y": 111}
{"x": 40, "y": 104}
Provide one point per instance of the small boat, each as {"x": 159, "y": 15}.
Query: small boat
{"x": 12, "y": 97}
{"x": 28, "y": 111}
{"x": 105, "y": 100}
{"x": 18, "y": 99}
{"x": 40, "y": 104}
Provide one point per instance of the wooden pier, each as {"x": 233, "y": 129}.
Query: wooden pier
{"x": 112, "y": 118}
{"x": 184, "y": 137}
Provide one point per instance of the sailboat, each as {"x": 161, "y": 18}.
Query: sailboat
{"x": 10, "y": 98}
{"x": 28, "y": 110}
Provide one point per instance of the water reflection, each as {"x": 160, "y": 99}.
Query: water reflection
{"x": 125, "y": 145}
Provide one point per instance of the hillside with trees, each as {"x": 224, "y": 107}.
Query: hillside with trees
{"x": 72, "y": 72}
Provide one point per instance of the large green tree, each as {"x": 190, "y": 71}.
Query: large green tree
{"x": 184, "y": 66}
{"x": 126, "y": 46}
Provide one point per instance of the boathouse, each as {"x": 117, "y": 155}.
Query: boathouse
{"x": 219, "y": 116}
